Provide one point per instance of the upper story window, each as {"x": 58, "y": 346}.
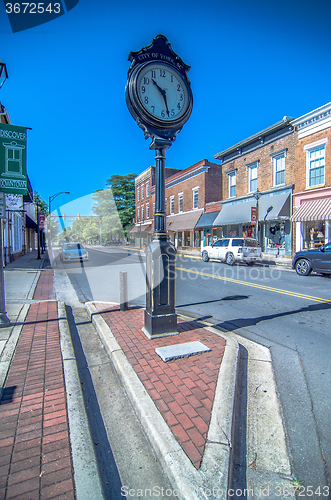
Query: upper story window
{"x": 147, "y": 211}
{"x": 165, "y": 206}
{"x": 195, "y": 197}
{"x": 138, "y": 214}
{"x": 316, "y": 163}
{"x": 142, "y": 191}
{"x": 138, "y": 193}
{"x": 232, "y": 179}
{"x": 172, "y": 204}
{"x": 252, "y": 177}
{"x": 142, "y": 212}
{"x": 147, "y": 188}
{"x": 153, "y": 208}
{"x": 180, "y": 202}
{"x": 279, "y": 169}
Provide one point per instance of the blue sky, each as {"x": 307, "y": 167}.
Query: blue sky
{"x": 252, "y": 62}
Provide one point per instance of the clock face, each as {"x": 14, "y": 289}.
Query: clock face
{"x": 162, "y": 92}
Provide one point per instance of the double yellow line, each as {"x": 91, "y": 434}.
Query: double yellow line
{"x": 256, "y": 285}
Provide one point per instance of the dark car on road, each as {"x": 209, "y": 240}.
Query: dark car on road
{"x": 318, "y": 260}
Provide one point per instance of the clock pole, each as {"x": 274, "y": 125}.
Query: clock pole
{"x": 159, "y": 97}
{"x": 160, "y": 316}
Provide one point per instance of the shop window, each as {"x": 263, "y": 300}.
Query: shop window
{"x": 316, "y": 166}
{"x": 187, "y": 239}
{"x": 180, "y": 202}
{"x": 180, "y": 239}
{"x": 314, "y": 234}
{"x": 197, "y": 239}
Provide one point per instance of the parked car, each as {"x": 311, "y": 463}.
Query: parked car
{"x": 73, "y": 251}
{"x": 233, "y": 250}
{"x": 317, "y": 259}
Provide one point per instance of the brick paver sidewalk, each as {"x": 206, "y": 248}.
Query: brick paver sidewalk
{"x": 35, "y": 460}
{"x": 183, "y": 389}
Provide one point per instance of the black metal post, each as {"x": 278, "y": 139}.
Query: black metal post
{"x": 160, "y": 316}
{"x": 4, "y": 320}
{"x": 38, "y": 235}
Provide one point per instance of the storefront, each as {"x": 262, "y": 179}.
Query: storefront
{"x": 205, "y": 226}
{"x": 273, "y": 214}
{"x": 182, "y": 231}
{"x": 141, "y": 232}
{"x": 312, "y": 219}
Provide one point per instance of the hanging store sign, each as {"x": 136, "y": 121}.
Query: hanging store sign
{"x": 42, "y": 224}
{"x": 14, "y": 202}
{"x": 253, "y": 215}
{"x": 13, "y": 177}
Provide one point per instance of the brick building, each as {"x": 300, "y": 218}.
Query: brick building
{"x": 19, "y": 225}
{"x": 187, "y": 194}
{"x": 144, "y": 218}
{"x": 259, "y": 172}
{"x": 312, "y": 193}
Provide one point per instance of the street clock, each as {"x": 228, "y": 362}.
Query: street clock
{"x": 158, "y": 91}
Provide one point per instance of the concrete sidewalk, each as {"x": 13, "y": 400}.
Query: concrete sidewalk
{"x": 191, "y": 409}
{"x": 41, "y": 407}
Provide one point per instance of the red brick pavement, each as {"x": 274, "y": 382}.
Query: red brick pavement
{"x": 45, "y": 286}
{"x": 183, "y": 389}
{"x": 35, "y": 458}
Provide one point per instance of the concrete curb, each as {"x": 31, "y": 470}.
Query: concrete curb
{"x": 86, "y": 475}
{"x": 217, "y": 460}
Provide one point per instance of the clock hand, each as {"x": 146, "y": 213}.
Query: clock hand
{"x": 163, "y": 93}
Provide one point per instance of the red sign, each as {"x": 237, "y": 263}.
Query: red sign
{"x": 233, "y": 233}
{"x": 41, "y": 221}
{"x": 249, "y": 232}
{"x": 253, "y": 215}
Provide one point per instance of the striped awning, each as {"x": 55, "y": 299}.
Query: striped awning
{"x": 313, "y": 210}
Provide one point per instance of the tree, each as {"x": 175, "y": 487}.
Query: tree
{"x": 123, "y": 190}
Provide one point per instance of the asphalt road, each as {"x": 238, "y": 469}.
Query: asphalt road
{"x": 291, "y": 315}
{"x": 269, "y": 305}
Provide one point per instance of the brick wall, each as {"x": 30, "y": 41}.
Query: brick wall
{"x": 265, "y": 166}
{"x": 300, "y": 160}
{"x": 209, "y": 184}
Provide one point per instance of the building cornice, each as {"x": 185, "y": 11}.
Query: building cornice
{"x": 285, "y": 123}
{"x": 317, "y": 115}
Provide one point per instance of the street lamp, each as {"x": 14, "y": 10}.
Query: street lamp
{"x": 4, "y": 320}
{"x": 37, "y": 200}
{"x": 50, "y": 199}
